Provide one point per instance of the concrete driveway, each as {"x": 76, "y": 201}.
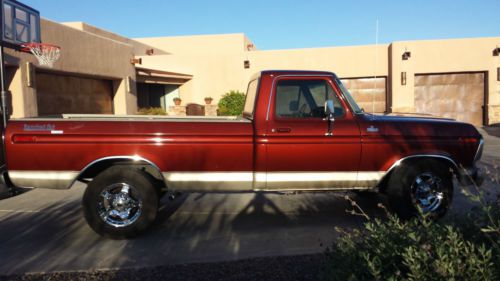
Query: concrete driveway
{"x": 43, "y": 230}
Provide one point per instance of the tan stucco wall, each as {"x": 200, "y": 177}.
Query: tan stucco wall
{"x": 82, "y": 53}
{"x": 199, "y": 44}
{"x": 445, "y": 56}
{"x": 216, "y": 72}
{"x": 216, "y": 63}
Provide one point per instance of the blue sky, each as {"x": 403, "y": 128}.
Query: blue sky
{"x": 279, "y": 24}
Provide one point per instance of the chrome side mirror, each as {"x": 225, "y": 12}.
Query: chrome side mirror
{"x": 329, "y": 112}
{"x": 329, "y": 109}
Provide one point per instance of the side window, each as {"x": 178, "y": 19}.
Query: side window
{"x": 305, "y": 99}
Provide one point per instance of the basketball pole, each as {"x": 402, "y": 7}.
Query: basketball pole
{"x": 4, "y": 92}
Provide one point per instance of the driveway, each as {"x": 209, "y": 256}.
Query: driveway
{"x": 43, "y": 230}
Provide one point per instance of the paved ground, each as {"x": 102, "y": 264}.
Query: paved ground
{"x": 43, "y": 230}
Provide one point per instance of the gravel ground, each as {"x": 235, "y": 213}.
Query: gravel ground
{"x": 305, "y": 267}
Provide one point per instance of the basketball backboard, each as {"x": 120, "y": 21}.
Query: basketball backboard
{"x": 20, "y": 24}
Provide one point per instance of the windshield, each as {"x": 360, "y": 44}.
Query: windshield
{"x": 355, "y": 107}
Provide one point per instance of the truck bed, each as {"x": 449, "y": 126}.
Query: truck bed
{"x": 58, "y": 148}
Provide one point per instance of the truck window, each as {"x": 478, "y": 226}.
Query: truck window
{"x": 305, "y": 99}
{"x": 250, "y": 97}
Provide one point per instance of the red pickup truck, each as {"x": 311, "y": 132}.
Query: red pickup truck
{"x": 300, "y": 131}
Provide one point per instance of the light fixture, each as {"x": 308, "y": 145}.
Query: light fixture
{"x": 406, "y": 55}
{"x": 498, "y": 73}
{"x": 403, "y": 78}
{"x": 136, "y": 60}
{"x": 246, "y": 64}
{"x": 496, "y": 52}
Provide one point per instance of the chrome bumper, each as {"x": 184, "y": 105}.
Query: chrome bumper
{"x": 473, "y": 176}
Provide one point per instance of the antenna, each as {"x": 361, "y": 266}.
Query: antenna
{"x": 375, "y": 68}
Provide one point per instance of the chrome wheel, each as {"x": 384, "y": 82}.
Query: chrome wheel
{"x": 119, "y": 205}
{"x": 427, "y": 192}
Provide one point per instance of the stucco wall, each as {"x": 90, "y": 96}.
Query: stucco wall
{"x": 217, "y": 64}
{"x": 216, "y": 72}
{"x": 82, "y": 53}
{"x": 445, "y": 56}
{"x": 199, "y": 44}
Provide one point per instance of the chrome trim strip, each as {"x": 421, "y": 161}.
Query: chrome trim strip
{"x": 246, "y": 181}
{"x": 208, "y": 176}
{"x": 311, "y": 176}
{"x": 135, "y": 158}
{"x": 215, "y": 181}
{"x": 397, "y": 163}
{"x": 322, "y": 180}
{"x": 43, "y": 179}
{"x": 212, "y": 181}
{"x": 136, "y": 118}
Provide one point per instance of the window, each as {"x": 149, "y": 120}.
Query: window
{"x": 305, "y": 99}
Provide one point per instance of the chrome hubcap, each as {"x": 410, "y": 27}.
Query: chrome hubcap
{"x": 427, "y": 192}
{"x": 119, "y": 205}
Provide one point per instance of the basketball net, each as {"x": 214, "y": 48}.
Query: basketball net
{"x": 46, "y": 54}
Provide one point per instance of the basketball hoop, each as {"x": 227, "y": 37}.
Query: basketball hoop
{"x": 46, "y": 54}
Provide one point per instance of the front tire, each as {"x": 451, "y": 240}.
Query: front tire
{"x": 425, "y": 185}
{"x": 120, "y": 202}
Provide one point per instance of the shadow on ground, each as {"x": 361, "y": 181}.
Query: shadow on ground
{"x": 192, "y": 228}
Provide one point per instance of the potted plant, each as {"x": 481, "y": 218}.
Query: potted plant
{"x": 208, "y": 100}
{"x": 177, "y": 101}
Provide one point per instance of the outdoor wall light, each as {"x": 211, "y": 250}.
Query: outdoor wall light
{"x": 498, "y": 73}
{"x": 496, "y": 52}
{"x": 406, "y": 55}
{"x": 403, "y": 78}
{"x": 136, "y": 60}
{"x": 246, "y": 64}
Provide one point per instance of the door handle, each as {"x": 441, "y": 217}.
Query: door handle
{"x": 281, "y": 130}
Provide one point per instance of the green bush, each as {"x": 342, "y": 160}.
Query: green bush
{"x": 231, "y": 104}
{"x": 151, "y": 111}
{"x": 414, "y": 250}
{"x": 461, "y": 248}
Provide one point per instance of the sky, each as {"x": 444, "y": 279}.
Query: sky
{"x": 279, "y": 24}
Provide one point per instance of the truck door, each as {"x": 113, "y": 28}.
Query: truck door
{"x": 300, "y": 152}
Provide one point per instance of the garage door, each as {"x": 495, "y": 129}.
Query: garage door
{"x": 459, "y": 96}
{"x": 369, "y": 93}
{"x": 57, "y": 94}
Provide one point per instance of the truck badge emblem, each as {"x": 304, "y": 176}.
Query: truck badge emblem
{"x": 38, "y": 127}
{"x": 372, "y": 129}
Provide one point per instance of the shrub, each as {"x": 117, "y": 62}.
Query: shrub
{"x": 151, "y": 111}
{"x": 461, "y": 248}
{"x": 231, "y": 104}
{"x": 414, "y": 250}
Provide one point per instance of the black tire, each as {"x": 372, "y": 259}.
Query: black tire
{"x": 410, "y": 181}
{"x": 120, "y": 191}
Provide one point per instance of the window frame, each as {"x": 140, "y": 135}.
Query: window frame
{"x": 326, "y": 80}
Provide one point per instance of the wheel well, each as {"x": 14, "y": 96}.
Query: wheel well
{"x": 96, "y": 168}
{"x": 382, "y": 185}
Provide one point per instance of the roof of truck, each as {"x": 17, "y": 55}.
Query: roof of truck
{"x": 290, "y": 72}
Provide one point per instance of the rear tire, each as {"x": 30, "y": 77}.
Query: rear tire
{"x": 426, "y": 184}
{"x": 120, "y": 202}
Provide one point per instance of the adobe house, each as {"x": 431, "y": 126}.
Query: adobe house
{"x": 102, "y": 72}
